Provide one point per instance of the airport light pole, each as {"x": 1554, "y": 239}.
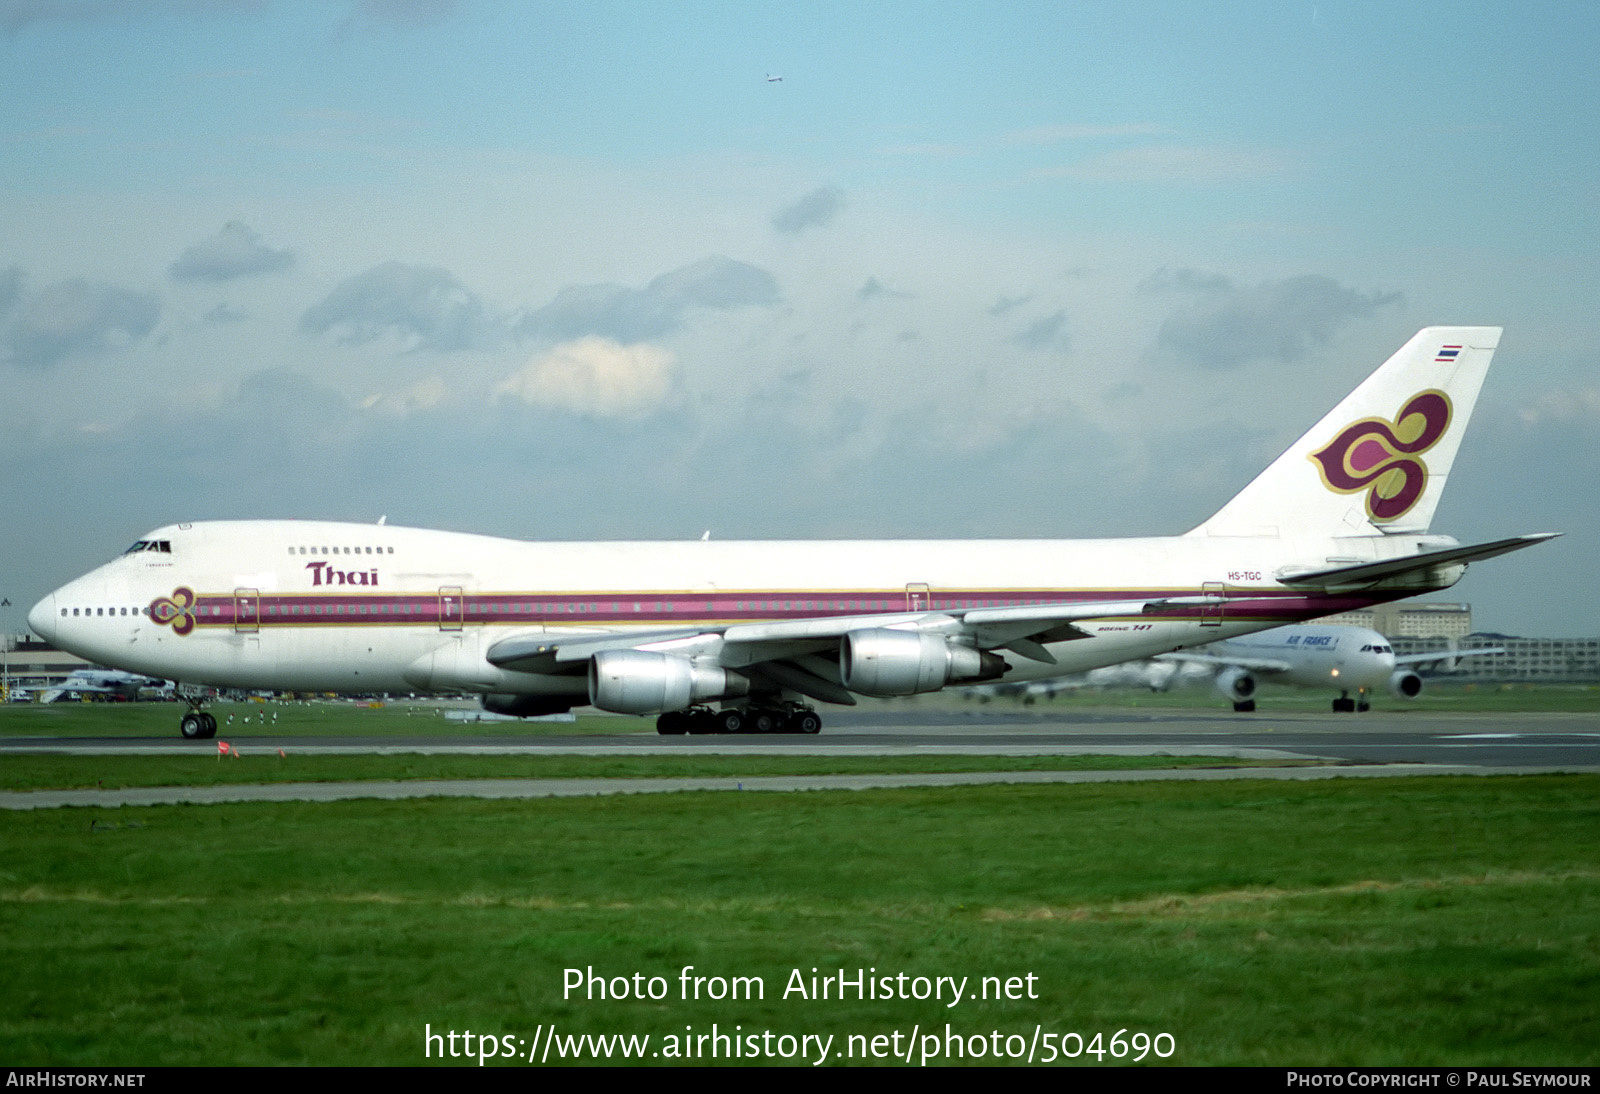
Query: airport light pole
{"x": 6, "y": 640}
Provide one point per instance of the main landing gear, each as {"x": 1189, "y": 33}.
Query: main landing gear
{"x": 731, "y": 720}
{"x": 197, "y": 725}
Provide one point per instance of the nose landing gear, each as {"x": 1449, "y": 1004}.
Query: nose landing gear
{"x": 1346, "y": 705}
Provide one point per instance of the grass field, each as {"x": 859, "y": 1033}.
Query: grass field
{"x": 1401, "y": 921}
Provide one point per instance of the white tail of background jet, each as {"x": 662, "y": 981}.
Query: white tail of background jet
{"x": 1378, "y": 462}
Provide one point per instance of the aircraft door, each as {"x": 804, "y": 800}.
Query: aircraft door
{"x": 451, "y": 607}
{"x": 1211, "y": 614}
{"x": 246, "y": 611}
{"x": 918, "y": 596}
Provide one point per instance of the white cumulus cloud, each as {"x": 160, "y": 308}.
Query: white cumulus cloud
{"x": 596, "y": 376}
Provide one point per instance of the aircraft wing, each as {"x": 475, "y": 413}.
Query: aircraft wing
{"x": 80, "y": 687}
{"x": 1445, "y": 655}
{"x": 1368, "y": 573}
{"x": 1253, "y": 664}
{"x": 556, "y": 655}
{"x": 1022, "y": 629}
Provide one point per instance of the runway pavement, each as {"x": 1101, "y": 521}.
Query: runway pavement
{"x": 1377, "y": 744}
{"x": 1566, "y": 740}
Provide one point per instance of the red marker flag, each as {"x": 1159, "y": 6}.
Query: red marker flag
{"x": 222, "y": 748}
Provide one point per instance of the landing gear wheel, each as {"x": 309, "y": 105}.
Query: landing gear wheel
{"x": 672, "y": 723}
{"x": 763, "y": 721}
{"x": 700, "y": 721}
{"x": 1344, "y": 706}
{"x": 193, "y": 726}
{"x": 1363, "y": 707}
{"x": 805, "y": 721}
{"x": 728, "y": 721}
{"x": 210, "y": 725}
{"x": 1246, "y": 707}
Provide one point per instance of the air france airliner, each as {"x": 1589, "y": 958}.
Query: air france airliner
{"x": 1353, "y": 661}
{"x": 747, "y": 636}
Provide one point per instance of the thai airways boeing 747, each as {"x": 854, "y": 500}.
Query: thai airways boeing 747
{"x": 731, "y": 636}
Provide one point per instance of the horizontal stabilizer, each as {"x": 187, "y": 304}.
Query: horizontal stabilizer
{"x": 1369, "y": 572}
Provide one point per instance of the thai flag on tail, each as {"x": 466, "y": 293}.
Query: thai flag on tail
{"x": 1448, "y": 353}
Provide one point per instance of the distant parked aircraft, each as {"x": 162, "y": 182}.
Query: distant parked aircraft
{"x": 125, "y": 685}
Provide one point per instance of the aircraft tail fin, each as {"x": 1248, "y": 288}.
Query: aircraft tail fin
{"x": 1378, "y": 462}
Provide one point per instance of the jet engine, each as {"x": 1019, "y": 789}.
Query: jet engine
{"x": 645, "y": 682}
{"x": 885, "y": 662}
{"x": 527, "y": 706}
{"x": 1236, "y": 684}
{"x": 1405, "y": 684}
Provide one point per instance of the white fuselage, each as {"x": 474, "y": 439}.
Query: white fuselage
{"x": 319, "y": 606}
{"x": 1343, "y": 658}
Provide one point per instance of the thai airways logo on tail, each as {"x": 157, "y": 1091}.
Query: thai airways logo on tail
{"x": 1384, "y": 457}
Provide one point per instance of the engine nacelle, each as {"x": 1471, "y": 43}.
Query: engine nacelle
{"x": 526, "y": 706}
{"x": 645, "y": 682}
{"x": 1405, "y": 684}
{"x": 1236, "y": 684}
{"x": 885, "y": 662}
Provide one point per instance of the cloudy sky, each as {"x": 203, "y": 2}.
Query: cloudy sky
{"x": 582, "y": 270}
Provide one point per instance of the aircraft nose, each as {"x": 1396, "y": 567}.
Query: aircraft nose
{"x": 42, "y": 618}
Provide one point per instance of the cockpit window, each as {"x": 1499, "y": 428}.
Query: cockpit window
{"x": 164, "y": 546}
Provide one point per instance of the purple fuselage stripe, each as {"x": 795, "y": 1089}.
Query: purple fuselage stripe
{"x": 523, "y": 609}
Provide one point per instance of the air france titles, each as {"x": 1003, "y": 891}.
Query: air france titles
{"x": 323, "y": 573}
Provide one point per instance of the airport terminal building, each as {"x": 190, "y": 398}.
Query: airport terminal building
{"x": 1426, "y": 627}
